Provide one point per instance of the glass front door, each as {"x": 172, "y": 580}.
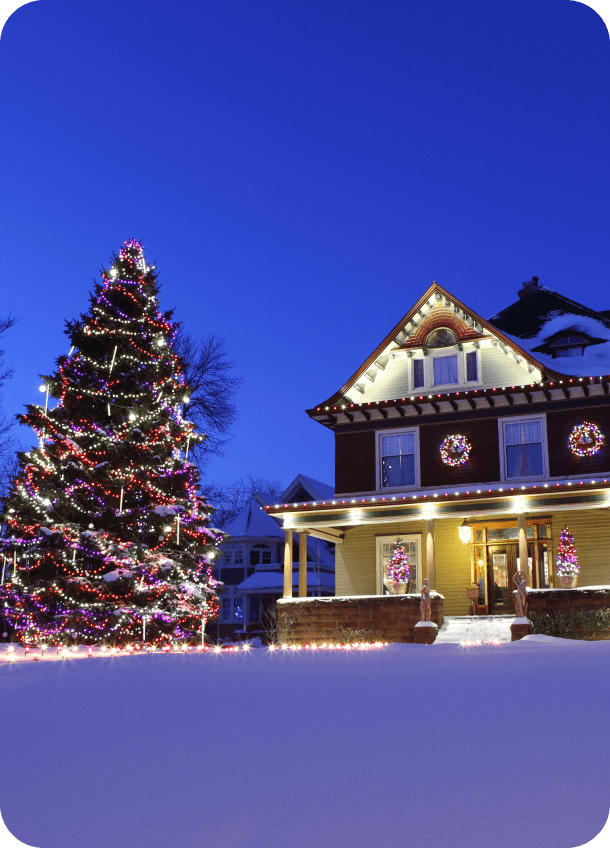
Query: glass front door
{"x": 501, "y": 568}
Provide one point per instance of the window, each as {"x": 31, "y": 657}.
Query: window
{"x": 568, "y": 346}
{"x": 397, "y": 459}
{"x": 445, "y": 370}
{"x": 226, "y": 609}
{"x": 238, "y": 609}
{"x": 523, "y": 448}
{"x": 472, "y": 372}
{"x": 254, "y": 611}
{"x": 442, "y": 367}
{"x": 413, "y": 549}
{"x": 441, "y": 338}
{"x": 260, "y": 553}
{"x": 418, "y": 373}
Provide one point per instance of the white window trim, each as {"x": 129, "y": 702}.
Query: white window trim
{"x": 462, "y": 372}
{"x": 516, "y": 419}
{"x": 380, "y": 541}
{"x": 379, "y": 434}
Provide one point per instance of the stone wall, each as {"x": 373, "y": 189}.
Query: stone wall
{"x": 568, "y": 612}
{"x": 391, "y": 618}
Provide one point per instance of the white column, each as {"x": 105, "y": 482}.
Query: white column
{"x": 303, "y": 565}
{"x": 288, "y": 564}
{"x": 523, "y": 563}
{"x": 430, "y": 555}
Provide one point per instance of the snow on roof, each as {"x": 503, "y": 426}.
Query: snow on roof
{"x": 274, "y": 581}
{"x": 319, "y": 491}
{"x": 252, "y": 520}
{"x": 542, "y": 314}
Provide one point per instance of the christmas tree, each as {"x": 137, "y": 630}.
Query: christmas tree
{"x": 567, "y": 561}
{"x": 106, "y": 538}
{"x": 398, "y": 564}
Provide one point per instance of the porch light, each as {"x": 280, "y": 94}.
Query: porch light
{"x": 465, "y": 531}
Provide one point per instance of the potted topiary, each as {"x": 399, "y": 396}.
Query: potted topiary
{"x": 398, "y": 569}
{"x": 567, "y": 561}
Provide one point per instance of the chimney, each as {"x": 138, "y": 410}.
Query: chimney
{"x": 528, "y": 287}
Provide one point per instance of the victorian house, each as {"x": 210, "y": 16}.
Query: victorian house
{"x": 475, "y": 441}
{"x": 251, "y": 566}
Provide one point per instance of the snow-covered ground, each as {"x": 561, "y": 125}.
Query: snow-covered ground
{"x": 492, "y": 745}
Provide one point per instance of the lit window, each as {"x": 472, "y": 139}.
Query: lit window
{"x": 524, "y": 449}
{"x": 238, "y": 609}
{"x": 226, "y": 609}
{"x": 445, "y": 370}
{"x": 397, "y": 460}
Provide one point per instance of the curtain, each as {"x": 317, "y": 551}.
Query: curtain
{"x": 398, "y": 460}
{"x": 523, "y": 442}
{"x": 445, "y": 370}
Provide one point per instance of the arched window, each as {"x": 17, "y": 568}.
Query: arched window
{"x": 569, "y": 346}
{"x": 442, "y": 337}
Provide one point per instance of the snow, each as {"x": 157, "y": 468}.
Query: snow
{"x": 274, "y": 580}
{"x": 595, "y": 360}
{"x": 521, "y": 620}
{"x": 504, "y": 744}
{"x": 111, "y": 576}
{"x": 426, "y": 624}
{"x": 252, "y": 520}
{"x": 168, "y": 510}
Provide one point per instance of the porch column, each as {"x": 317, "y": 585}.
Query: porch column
{"x": 430, "y": 557}
{"x": 303, "y": 564}
{"x": 523, "y": 563}
{"x": 288, "y": 564}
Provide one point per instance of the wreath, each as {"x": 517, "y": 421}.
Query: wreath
{"x": 586, "y": 439}
{"x": 455, "y": 450}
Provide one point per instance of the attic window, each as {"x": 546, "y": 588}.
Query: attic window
{"x": 441, "y": 338}
{"x": 569, "y": 346}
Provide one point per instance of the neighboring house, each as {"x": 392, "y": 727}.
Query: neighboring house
{"x": 251, "y": 566}
{"x": 517, "y": 388}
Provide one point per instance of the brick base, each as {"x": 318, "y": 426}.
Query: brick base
{"x": 518, "y": 631}
{"x": 425, "y": 635}
{"x": 390, "y": 618}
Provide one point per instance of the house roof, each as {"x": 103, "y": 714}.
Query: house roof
{"x": 523, "y": 327}
{"x": 397, "y": 337}
{"x": 274, "y": 581}
{"x": 318, "y": 491}
{"x": 541, "y": 314}
{"x": 252, "y": 520}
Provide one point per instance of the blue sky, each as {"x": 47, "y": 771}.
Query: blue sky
{"x": 300, "y": 172}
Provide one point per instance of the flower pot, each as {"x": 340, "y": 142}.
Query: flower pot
{"x": 568, "y": 581}
{"x": 397, "y": 588}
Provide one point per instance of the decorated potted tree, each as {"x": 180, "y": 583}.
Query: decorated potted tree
{"x": 398, "y": 569}
{"x": 567, "y": 561}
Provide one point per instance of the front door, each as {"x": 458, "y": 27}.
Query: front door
{"x": 501, "y": 568}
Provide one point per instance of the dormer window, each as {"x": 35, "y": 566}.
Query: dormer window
{"x": 441, "y": 338}
{"x": 568, "y": 346}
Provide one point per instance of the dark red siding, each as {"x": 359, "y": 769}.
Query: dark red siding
{"x": 483, "y": 465}
{"x": 354, "y": 462}
{"x": 559, "y": 425}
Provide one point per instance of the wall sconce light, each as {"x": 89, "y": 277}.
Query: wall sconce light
{"x": 465, "y": 531}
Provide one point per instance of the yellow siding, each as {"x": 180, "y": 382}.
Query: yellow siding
{"x": 453, "y": 575}
{"x": 355, "y": 560}
{"x": 590, "y": 529}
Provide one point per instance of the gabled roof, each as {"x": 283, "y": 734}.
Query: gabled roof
{"x": 317, "y": 490}
{"x": 252, "y": 520}
{"x": 541, "y": 315}
{"x": 397, "y": 337}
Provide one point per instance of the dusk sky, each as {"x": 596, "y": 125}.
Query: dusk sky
{"x": 300, "y": 172}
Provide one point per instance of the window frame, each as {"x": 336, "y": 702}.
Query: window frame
{"x": 403, "y": 431}
{"x": 517, "y": 419}
{"x": 428, "y": 361}
{"x": 380, "y": 541}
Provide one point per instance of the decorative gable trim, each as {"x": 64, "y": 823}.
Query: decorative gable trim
{"x": 412, "y": 323}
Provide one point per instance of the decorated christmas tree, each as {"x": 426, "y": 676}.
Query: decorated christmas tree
{"x": 567, "y": 561}
{"x": 398, "y": 564}
{"x": 107, "y": 539}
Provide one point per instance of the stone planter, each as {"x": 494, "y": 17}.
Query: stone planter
{"x": 397, "y": 588}
{"x": 568, "y": 581}
{"x": 425, "y": 632}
